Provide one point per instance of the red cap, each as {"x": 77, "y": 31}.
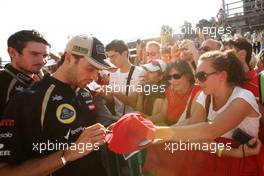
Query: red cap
{"x": 130, "y": 133}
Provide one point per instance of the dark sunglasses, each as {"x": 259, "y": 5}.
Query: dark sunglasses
{"x": 202, "y": 76}
{"x": 174, "y": 76}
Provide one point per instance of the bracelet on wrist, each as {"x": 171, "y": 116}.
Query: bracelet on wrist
{"x": 219, "y": 152}
{"x": 63, "y": 159}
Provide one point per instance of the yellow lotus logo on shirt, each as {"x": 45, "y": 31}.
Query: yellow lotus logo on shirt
{"x": 66, "y": 113}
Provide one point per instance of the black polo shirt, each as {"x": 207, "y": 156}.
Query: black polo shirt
{"x": 51, "y": 113}
{"x": 11, "y": 82}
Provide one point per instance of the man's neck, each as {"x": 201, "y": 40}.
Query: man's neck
{"x": 125, "y": 68}
{"x": 62, "y": 76}
{"x": 22, "y": 71}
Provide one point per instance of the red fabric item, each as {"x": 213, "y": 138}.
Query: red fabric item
{"x": 177, "y": 103}
{"x": 161, "y": 162}
{"x": 128, "y": 132}
{"x": 253, "y": 82}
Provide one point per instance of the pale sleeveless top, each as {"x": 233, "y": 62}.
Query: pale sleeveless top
{"x": 249, "y": 125}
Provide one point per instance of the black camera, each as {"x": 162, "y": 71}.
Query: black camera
{"x": 242, "y": 137}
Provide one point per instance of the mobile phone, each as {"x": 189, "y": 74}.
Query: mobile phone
{"x": 261, "y": 87}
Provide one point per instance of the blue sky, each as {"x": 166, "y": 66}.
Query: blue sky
{"x": 105, "y": 19}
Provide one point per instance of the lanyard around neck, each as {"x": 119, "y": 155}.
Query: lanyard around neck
{"x": 15, "y": 76}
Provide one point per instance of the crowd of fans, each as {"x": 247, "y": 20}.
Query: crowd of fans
{"x": 192, "y": 92}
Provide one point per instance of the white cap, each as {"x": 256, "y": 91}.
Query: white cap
{"x": 155, "y": 65}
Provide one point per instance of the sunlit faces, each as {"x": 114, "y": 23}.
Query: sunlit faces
{"x": 207, "y": 77}
{"x": 141, "y": 51}
{"x": 185, "y": 52}
{"x": 116, "y": 58}
{"x": 152, "y": 52}
{"x": 32, "y": 58}
{"x": 166, "y": 54}
{"x": 209, "y": 45}
{"x": 84, "y": 73}
{"x": 177, "y": 80}
{"x": 175, "y": 53}
{"x": 152, "y": 77}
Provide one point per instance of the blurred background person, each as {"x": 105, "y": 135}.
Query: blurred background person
{"x": 179, "y": 94}
{"x": 209, "y": 45}
{"x": 141, "y": 53}
{"x": 189, "y": 52}
{"x": 152, "y": 98}
{"x": 175, "y": 53}
{"x": 166, "y": 54}
{"x": 153, "y": 51}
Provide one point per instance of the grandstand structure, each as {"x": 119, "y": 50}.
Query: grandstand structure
{"x": 244, "y": 15}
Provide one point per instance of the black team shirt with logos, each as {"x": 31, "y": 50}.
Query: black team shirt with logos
{"x": 11, "y": 82}
{"x": 52, "y": 113}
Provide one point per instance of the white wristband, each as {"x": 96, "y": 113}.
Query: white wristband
{"x": 64, "y": 161}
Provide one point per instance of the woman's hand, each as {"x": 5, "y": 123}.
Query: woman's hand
{"x": 248, "y": 150}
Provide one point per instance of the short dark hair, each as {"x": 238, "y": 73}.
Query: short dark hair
{"x": 226, "y": 61}
{"x": 19, "y": 39}
{"x": 241, "y": 43}
{"x": 183, "y": 67}
{"x": 117, "y": 45}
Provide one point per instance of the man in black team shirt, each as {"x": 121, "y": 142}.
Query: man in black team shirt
{"x": 54, "y": 121}
{"x": 28, "y": 50}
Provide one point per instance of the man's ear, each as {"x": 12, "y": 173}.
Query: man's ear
{"x": 12, "y": 52}
{"x": 223, "y": 75}
{"x": 125, "y": 53}
{"x": 68, "y": 57}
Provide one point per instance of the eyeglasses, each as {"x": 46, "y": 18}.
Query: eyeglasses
{"x": 175, "y": 76}
{"x": 202, "y": 76}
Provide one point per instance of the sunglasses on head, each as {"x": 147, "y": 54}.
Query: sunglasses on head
{"x": 202, "y": 76}
{"x": 174, "y": 76}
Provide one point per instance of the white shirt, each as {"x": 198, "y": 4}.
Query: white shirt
{"x": 256, "y": 37}
{"x": 249, "y": 125}
{"x": 118, "y": 82}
